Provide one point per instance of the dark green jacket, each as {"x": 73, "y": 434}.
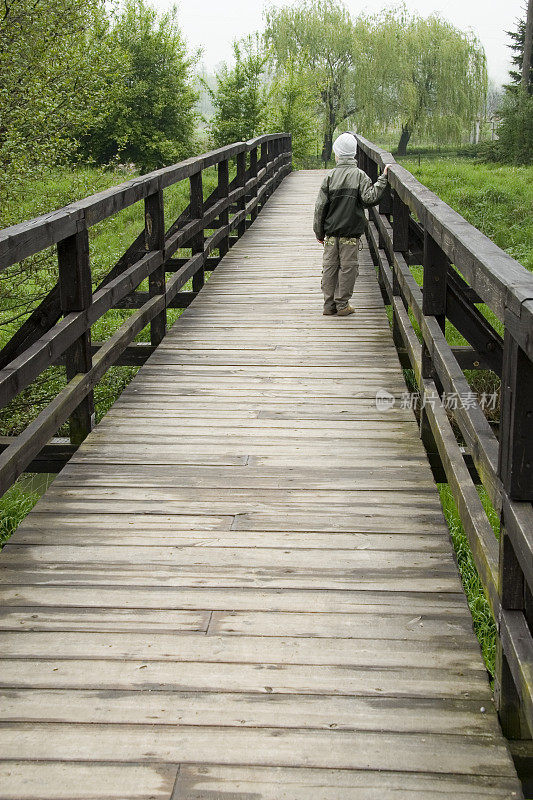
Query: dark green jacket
{"x": 345, "y": 193}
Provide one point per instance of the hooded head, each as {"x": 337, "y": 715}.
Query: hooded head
{"x": 345, "y": 146}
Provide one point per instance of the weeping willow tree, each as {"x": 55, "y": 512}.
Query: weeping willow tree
{"x": 437, "y": 80}
{"x": 381, "y": 72}
{"x": 318, "y": 36}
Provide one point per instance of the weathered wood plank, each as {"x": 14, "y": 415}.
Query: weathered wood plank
{"x": 261, "y": 679}
{"x": 326, "y": 712}
{"x": 334, "y": 749}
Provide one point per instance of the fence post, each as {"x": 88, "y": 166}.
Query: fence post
{"x": 269, "y": 166}
{"x": 372, "y": 170}
{"x": 262, "y": 164}
{"x": 279, "y": 168}
{"x": 197, "y": 212}
{"x": 511, "y": 590}
{"x": 400, "y": 243}
{"x": 253, "y": 175}
{"x": 223, "y": 191}
{"x": 434, "y": 281}
{"x": 240, "y": 182}
{"x": 400, "y": 224}
{"x": 385, "y": 204}
{"x": 154, "y": 238}
{"x": 515, "y": 470}
{"x": 516, "y": 446}
{"x": 75, "y": 291}
{"x": 433, "y": 305}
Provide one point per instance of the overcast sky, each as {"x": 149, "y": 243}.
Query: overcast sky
{"x": 213, "y": 24}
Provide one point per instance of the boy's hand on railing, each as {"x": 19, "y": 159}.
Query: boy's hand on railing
{"x": 385, "y": 170}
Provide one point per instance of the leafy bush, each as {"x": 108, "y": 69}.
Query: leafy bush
{"x": 149, "y": 118}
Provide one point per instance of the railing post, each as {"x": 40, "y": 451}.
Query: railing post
{"x": 262, "y": 164}
{"x": 223, "y": 191}
{"x": 516, "y": 445}
{"x": 400, "y": 243}
{"x": 433, "y": 305}
{"x": 385, "y": 204}
{"x": 197, "y": 212}
{"x": 275, "y": 153}
{"x": 154, "y": 239}
{"x": 75, "y": 291}
{"x": 269, "y": 166}
{"x": 372, "y": 170}
{"x": 511, "y": 590}
{"x": 434, "y": 281}
{"x": 515, "y": 470}
{"x": 240, "y": 182}
{"x": 400, "y": 224}
{"x": 253, "y": 174}
{"x": 384, "y": 207}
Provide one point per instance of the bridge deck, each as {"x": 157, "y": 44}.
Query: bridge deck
{"x": 242, "y": 586}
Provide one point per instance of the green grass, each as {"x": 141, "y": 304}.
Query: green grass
{"x": 496, "y": 198}
{"x": 14, "y": 505}
{"x": 483, "y": 621}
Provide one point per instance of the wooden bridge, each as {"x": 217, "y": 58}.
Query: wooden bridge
{"x": 241, "y": 585}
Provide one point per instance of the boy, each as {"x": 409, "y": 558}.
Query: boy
{"x": 340, "y": 222}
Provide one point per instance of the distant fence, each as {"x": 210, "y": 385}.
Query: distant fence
{"x": 59, "y": 329}
{"x": 462, "y": 268}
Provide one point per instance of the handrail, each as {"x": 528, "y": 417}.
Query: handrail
{"x": 462, "y": 268}
{"x": 58, "y": 332}
{"x": 27, "y": 238}
{"x": 502, "y": 282}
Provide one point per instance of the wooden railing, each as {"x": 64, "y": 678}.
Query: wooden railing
{"x": 461, "y": 269}
{"x": 59, "y": 329}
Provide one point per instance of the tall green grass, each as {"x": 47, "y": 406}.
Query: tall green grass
{"x": 482, "y": 619}
{"x": 14, "y": 505}
{"x": 496, "y": 198}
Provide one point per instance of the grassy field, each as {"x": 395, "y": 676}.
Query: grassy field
{"x": 496, "y": 198}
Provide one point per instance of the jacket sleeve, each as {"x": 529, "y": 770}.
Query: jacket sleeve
{"x": 371, "y": 194}
{"x": 321, "y": 209}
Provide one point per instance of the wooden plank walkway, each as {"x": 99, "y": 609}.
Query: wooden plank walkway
{"x": 242, "y": 586}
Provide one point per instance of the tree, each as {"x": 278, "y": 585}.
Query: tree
{"x": 526, "y": 82}
{"x": 319, "y": 36}
{"x": 240, "y": 95}
{"x": 55, "y": 67}
{"x": 291, "y": 106}
{"x": 439, "y": 78}
{"x": 519, "y": 75}
{"x": 515, "y": 132}
{"x": 150, "y": 120}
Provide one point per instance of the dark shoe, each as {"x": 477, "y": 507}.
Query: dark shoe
{"x": 329, "y": 312}
{"x": 346, "y": 311}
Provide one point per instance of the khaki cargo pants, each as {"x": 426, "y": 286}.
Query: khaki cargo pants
{"x": 340, "y": 268}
